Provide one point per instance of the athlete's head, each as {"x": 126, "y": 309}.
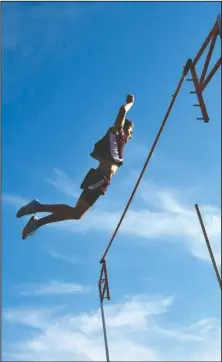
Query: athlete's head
{"x": 128, "y": 128}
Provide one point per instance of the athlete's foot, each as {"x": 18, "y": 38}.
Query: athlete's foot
{"x": 28, "y": 209}
{"x": 30, "y": 227}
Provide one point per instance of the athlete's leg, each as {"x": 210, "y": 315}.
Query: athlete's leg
{"x": 67, "y": 212}
{"x": 63, "y": 212}
{"x": 35, "y": 206}
{"x": 94, "y": 185}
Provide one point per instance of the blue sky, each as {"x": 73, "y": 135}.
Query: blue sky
{"x": 67, "y": 68}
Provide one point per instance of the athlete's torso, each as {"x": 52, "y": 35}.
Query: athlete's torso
{"x": 110, "y": 147}
{"x": 109, "y": 151}
{"x": 108, "y": 167}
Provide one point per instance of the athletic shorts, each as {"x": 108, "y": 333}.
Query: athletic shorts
{"x": 94, "y": 185}
{"x": 90, "y": 196}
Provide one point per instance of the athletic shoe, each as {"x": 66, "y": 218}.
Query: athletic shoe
{"x": 30, "y": 227}
{"x": 28, "y": 209}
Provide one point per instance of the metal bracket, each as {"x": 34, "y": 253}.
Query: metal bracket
{"x": 201, "y": 82}
{"x": 103, "y": 283}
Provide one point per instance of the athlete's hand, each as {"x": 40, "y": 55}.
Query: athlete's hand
{"x": 130, "y": 98}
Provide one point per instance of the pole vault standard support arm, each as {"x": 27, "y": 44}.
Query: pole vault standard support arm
{"x": 208, "y": 244}
{"x": 104, "y": 293}
{"x": 103, "y": 282}
{"x": 200, "y": 84}
{"x": 185, "y": 71}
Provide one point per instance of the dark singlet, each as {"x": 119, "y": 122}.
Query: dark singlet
{"x": 110, "y": 147}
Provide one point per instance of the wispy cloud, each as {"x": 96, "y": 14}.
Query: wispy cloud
{"x": 34, "y": 317}
{"x": 163, "y": 216}
{"x": 62, "y": 182}
{"x": 14, "y": 200}
{"x": 66, "y": 258}
{"x": 52, "y": 287}
{"x": 136, "y": 331}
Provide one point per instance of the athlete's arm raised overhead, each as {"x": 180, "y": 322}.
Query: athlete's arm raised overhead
{"x": 120, "y": 119}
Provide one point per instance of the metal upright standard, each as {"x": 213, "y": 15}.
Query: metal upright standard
{"x": 199, "y": 85}
{"x": 104, "y": 293}
{"x": 208, "y": 244}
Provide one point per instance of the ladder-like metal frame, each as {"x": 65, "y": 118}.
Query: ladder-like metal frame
{"x": 202, "y": 81}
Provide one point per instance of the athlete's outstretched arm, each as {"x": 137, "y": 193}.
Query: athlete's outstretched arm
{"x": 120, "y": 119}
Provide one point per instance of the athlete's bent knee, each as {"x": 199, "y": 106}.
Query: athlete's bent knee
{"x": 76, "y": 214}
